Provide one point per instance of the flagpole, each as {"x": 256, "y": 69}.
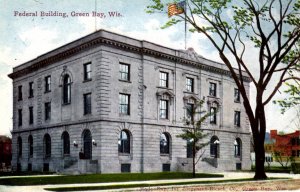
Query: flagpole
{"x": 95, "y": 15}
{"x": 185, "y": 25}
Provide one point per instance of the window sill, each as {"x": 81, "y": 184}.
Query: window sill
{"x": 47, "y": 91}
{"x": 126, "y": 81}
{"x": 30, "y": 97}
{"x": 237, "y": 101}
{"x": 86, "y": 80}
{"x": 164, "y": 119}
{"x": 124, "y": 115}
{"x": 65, "y": 104}
{"x": 237, "y": 127}
{"x": 20, "y": 99}
{"x": 189, "y": 92}
{"x": 160, "y": 87}
{"x": 124, "y": 154}
{"x": 87, "y": 114}
{"x": 165, "y": 155}
{"x": 212, "y": 96}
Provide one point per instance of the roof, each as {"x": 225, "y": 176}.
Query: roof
{"x": 103, "y": 37}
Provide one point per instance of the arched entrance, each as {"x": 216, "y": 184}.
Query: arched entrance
{"x": 87, "y": 144}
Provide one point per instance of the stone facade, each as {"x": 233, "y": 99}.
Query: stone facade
{"x": 105, "y": 51}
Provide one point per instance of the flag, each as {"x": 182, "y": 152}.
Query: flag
{"x": 176, "y": 8}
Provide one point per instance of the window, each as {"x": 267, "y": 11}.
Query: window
{"x": 48, "y": 111}
{"x": 47, "y": 145}
{"x": 163, "y": 79}
{"x": 20, "y": 93}
{"x": 87, "y": 102}
{"x": 125, "y": 168}
{"x": 189, "y": 148}
{"x": 164, "y": 143}
{"x": 124, "y": 107}
{"x": 189, "y": 84}
{"x": 66, "y": 89}
{"x": 87, "y": 71}
{"x": 20, "y": 117}
{"x": 124, "y": 72}
{"x": 124, "y": 142}
{"x": 213, "y": 115}
{"x": 237, "y": 118}
{"x": 30, "y": 89}
{"x": 29, "y": 167}
{"x": 87, "y": 144}
{"x": 214, "y": 147}
{"x": 66, "y": 143}
{"x": 189, "y": 111}
{"x": 236, "y": 95}
{"x": 30, "y": 146}
{"x": 30, "y": 115}
{"x": 19, "y": 147}
{"x": 166, "y": 167}
{"x": 213, "y": 89}
{"x": 237, "y": 147}
{"x": 48, "y": 83}
{"x": 163, "y": 109}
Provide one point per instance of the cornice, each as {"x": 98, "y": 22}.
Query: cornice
{"x": 44, "y": 61}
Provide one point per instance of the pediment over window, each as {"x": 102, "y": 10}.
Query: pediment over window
{"x": 214, "y": 102}
{"x": 163, "y": 93}
{"x": 190, "y": 99}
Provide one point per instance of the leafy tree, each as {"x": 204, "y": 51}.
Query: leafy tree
{"x": 235, "y": 28}
{"x": 193, "y": 133}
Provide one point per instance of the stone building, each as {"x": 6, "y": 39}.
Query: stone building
{"x": 109, "y": 103}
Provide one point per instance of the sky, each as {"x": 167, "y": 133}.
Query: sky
{"x": 23, "y": 38}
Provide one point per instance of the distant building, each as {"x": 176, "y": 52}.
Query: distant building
{"x": 5, "y": 152}
{"x": 109, "y": 103}
{"x": 286, "y": 144}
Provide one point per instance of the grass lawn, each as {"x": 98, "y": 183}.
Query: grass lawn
{"x": 101, "y": 178}
{"x": 143, "y": 185}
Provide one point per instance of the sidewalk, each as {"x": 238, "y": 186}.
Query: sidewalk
{"x": 227, "y": 175}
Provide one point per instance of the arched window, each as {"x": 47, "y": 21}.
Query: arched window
{"x": 66, "y": 89}
{"x": 237, "y": 147}
{"x": 30, "y": 145}
{"x": 164, "y": 143}
{"x": 214, "y": 147}
{"x": 47, "y": 145}
{"x": 189, "y": 148}
{"x": 87, "y": 144}
{"x": 124, "y": 142}
{"x": 19, "y": 147}
{"x": 66, "y": 143}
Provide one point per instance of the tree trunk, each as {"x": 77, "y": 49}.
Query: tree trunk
{"x": 259, "y": 131}
{"x": 194, "y": 156}
{"x": 259, "y": 161}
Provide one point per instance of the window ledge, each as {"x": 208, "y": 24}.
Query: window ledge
{"x": 126, "y": 81}
{"x": 30, "y": 97}
{"x": 86, "y": 80}
{"x": 124, "y": 115}
{"x": 165, "y": 154}
{"x": 47, "y": 91}
{"x": 160, "y": 87}
{"x": 190, "y": 92}
{"x": 237, "y": 101}
{"x": 87, "y": 114}
{"x": 124, "y": 154}
{"x": 65, "y": 104}
{"x": 237, "y": 127}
